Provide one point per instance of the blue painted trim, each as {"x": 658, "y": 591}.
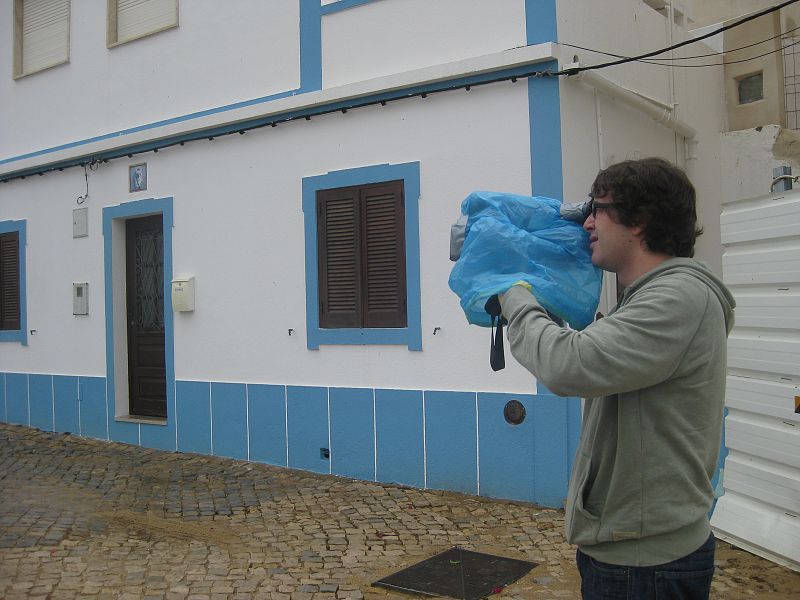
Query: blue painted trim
{"x": 310, "y": 46}
{"x": 528, "y": 462}
{"x": 352, "y": 433}
{"x": 3, "y": 395}
{"x": 65, "y": 403}
{"x": 450, "y": 434}
{"x": 277, "y": 118}
{"x": 541, "y": 24}
{"x": 544, "y": 110}
{"x": 18, "y": 335}
{"x": 307, "y": 423}
{"x": 162, "y": 123}
{"x": 194, "y": 416}
{"x": 411, "y": 335}
{"x": 40, "y": 401}
{"x": 341, "y": 5}
{"x": 17, "y": 401}
{"x": 124, "y": 211}
{"x": 229, "y": 420}
{"x": 399, "y": 433}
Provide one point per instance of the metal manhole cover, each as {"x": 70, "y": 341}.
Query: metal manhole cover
{"x": 458, "y": 573}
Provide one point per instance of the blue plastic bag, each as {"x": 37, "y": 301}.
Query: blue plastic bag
{"x": 509, "y": 238}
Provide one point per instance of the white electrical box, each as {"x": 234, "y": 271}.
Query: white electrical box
{"x": 183, "y": 294}
{"x": 80, "y": 298}
{"x": 80, "y": 222}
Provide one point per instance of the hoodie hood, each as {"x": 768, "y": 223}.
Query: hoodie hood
{"x": 696, "y": 269}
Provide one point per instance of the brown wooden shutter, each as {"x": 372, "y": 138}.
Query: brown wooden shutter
{"x": 338, "y": 261}
{"x": 383, "y": 254}
{"x": 9, "y": 281}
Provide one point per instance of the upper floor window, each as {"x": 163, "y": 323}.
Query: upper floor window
{"x": 750, "y": 88}
{"x": 132, "y": 19}
{"x": 41, "y": 35}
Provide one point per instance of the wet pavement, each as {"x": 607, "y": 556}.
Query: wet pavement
{"x": 82, "y": 518}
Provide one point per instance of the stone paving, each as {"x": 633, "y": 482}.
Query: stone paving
{"x": 82, "y": 518}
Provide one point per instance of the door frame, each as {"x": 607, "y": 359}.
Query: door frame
{"x": 117, "y": 393}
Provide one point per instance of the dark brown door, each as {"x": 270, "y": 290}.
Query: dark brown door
{"x": 147, "y": 373}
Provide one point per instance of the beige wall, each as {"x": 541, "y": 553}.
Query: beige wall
{"x": 758, "y": 34}
{"x": 708, "y": 12}
{"x": 770, "y": 110}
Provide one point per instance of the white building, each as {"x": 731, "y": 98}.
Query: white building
{"x": 260, "y": 123}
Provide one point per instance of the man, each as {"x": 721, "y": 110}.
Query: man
{"x": 653, "y": 375}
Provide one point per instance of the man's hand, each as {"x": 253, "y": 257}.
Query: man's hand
{"x": 524, "y": 284}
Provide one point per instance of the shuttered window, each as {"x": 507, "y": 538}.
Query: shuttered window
{"x": 9, "y": 281}
{"x": 131, "y": 19}
{"x": 361, "y": 261}
{"x": 41, "y": 32}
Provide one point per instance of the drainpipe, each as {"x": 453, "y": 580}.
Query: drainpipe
{"x": 657, "y": 110}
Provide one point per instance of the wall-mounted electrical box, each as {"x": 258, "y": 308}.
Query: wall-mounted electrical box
{"x": 80, "y": 298}
{"x": 80, "y": 222}
{"x": 183, "y": 294}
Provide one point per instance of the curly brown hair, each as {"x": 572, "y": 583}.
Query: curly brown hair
{"x": 657, "y": 196}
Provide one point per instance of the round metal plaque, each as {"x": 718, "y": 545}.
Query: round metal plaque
{"x": 514, "y": 412}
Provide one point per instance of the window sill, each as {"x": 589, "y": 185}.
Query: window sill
{"x": 13, "y": 335}
{"x": 388, "y": 337}
{"x": 140, "y": 420}
{"x": 115, "y": 43}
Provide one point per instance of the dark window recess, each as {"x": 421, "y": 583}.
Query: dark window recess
{"x": 362, "y": 256}
{"x": 9, "y": 281}
{"x": 751, "y": 88}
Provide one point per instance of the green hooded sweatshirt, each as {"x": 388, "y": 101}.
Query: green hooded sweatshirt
{"x": 653, "y": 375}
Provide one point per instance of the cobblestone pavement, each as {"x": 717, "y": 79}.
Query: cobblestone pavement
{"x": 81, "y": 518}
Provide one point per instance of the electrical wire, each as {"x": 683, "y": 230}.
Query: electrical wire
{"x": 780, "y": 35}
{"x": 719, "y": 64}
{"x": 576, "y": 70}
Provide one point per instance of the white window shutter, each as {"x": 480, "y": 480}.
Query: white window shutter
{"x": 136, "y": 18}
{"x": 45, "y": 34}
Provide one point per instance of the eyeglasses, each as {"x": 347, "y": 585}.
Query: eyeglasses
{"x": 594, "y": 206}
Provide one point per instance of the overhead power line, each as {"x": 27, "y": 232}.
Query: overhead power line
{"x": 772, "y": 9}
{"x": 679, "y": 58}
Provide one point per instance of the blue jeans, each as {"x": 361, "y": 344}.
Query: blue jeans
{"x": 688, "y": 578}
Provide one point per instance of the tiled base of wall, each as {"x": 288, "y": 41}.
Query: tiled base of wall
{"x": 450, "y": 440}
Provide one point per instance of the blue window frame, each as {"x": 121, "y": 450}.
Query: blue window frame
{"x": 411, "y": 335}
{"x": 18, "y": 335}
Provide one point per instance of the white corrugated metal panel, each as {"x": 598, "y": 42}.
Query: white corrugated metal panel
{"x": 763, "y": 437}
{"x": 776, "y": 262}
{"x": 770, "y": 398}
{"x": 45, "y": 34}
{"x": 756, "y": 477}
{"x": 758, "y": 527}
{"x": 137, "y": 18}
{"x": 766, "y": 218}
{"x": 764, "y": 351}
{"x": 768, "y": 308}
{"x": 760, "y": 509}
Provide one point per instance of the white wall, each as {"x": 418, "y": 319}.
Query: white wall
{"x": 220, "y": 53}
{"x": 391, "y": 37}
{"x": 598, "y": 130}
{"x": 238, "y": 228}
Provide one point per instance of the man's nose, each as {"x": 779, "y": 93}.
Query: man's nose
{"x": 588, "y": 224}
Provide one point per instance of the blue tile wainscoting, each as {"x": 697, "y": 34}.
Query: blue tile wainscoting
{"x": 448, "y": 440}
